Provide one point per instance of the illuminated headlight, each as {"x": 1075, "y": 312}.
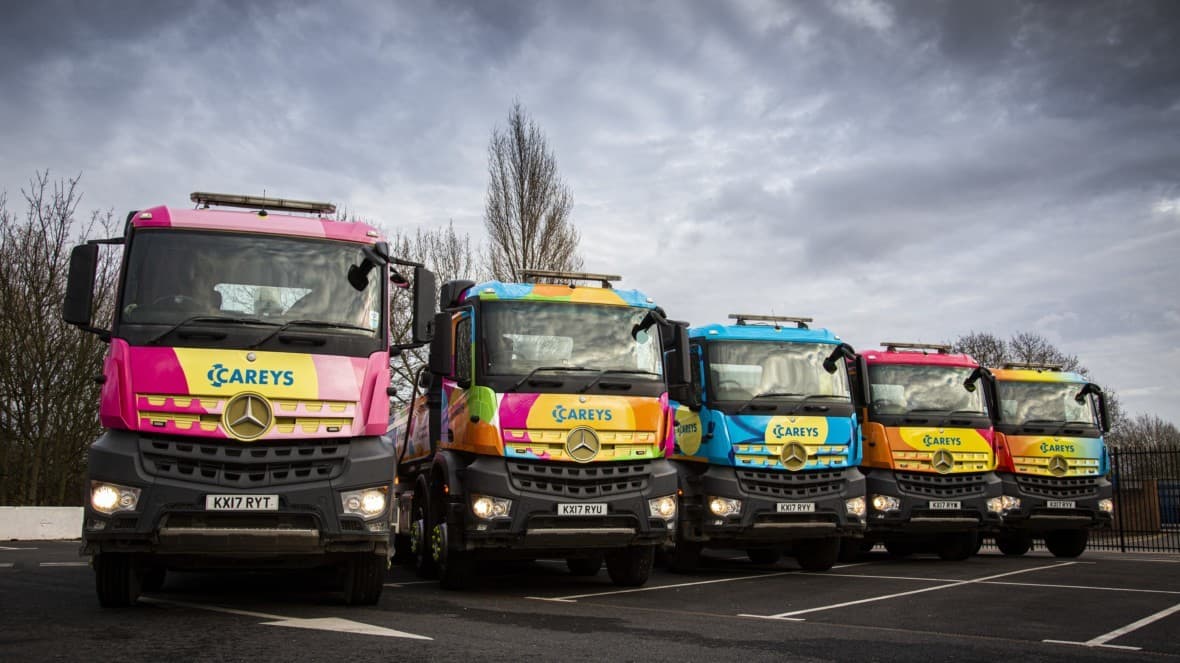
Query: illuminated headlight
{"x": 724, "y": 506}
{"x": 366, "y": 503}
{"x": 1010, "y": 502}
{"x": 1106, "y": 504}
{"x": 855, "y": 506}
{"x": 663, "y": 507}
{"x": 111, "y": 498}
{"x": 886, "y": 503}
{"x": 995, "y": 504}
{"x": 484, "y": 507}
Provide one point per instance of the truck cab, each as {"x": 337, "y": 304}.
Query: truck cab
{"x": 767, "y": 443}
{"x": 244, "y": 396}
{"x": 929, "y": 455}
{"x": 543, "y": 430}
{"x": 1052, "y": 458}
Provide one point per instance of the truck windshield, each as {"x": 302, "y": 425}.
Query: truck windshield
{"x": 1044, "y": 402}
{"x": 899, "y": 389}
{"x": 741, "y": 370}
{"x": 176, "y": 275}
{"x": 524, "y": 336}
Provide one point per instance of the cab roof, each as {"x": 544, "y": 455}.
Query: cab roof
{"x": 1036, "y": 375}
{"x": 558, "y": 293}
{"x": 918, "y": 358}
{"x": 718, "y": 332}
{"x": 271, "y": 223}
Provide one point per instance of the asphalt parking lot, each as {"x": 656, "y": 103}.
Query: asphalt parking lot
{"x": 1102, "y": 606}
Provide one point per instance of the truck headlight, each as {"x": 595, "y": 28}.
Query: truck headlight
{"x": 1010, "y": 502}
{"x": 855, "y": 506}
{"x": 663, "y": 507}
{"x": 366, "y": 502}
{"x": 724, "y": 506}
{"x": 485, "y": 507}
{"x": 1106, "y": 504}
{"x": 886, "y": 503}
{"x": 111, "y": 498}
{"x": 995, "y": 504}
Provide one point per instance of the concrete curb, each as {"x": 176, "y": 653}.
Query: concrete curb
{"x": 40, "y": 523}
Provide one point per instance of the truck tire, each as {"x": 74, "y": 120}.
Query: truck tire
{"x": 455, "y": 568}
{"x": 1067, "y": 542}
{"x": 117, "y": 579}
{"x": 685, "y": 556}
{"x": 764, "y": 555}
{"x": 956, "y": 547}
{"x": 153, "y": 578}
{"x": 818, "y": 554}
{"x": 423, "y": 560}
{"x": 1014, "y": 544}
{"x": 631, "y": 566}
{"x": 584, "y": 566}
{"x": 364, "y": 578}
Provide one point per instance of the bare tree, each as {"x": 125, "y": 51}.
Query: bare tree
{"x": 987, "y": 349}
{"x": 450, "y": 256}
{"x": 1146, "y": 432}
{"x": 527, "y": 212}
{"x": 48, "y": 394}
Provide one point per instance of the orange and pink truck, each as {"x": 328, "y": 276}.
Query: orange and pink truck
{"x": 245, "y": 395}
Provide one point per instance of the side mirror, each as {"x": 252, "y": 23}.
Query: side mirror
{"x": 862, "y": 372}
{"x": 79, "y": 301}
{"x": 424, "y": 326}
{"x": 677, "y": 370}
{"x": 440, "y": 345}
{"x": 378, "y": 254}
{"x": 842, "y": 351}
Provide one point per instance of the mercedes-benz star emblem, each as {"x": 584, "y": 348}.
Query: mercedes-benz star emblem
{"x": 943, "y": 461}
{"x": 1058, "y": 466}
{"x": 247, "y": 416}
{"x": 582, "y": 444}
{"x": 794, "y": 456}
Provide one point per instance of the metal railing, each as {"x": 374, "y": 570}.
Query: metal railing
{"x": 1146, "y": 502}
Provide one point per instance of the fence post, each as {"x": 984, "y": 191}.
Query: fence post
{"x": 1116, "y": 463}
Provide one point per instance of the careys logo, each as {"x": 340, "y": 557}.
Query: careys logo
{"x": 1058, "y": 445}
{"x": 688, "y": 431}
{"x": 941, "y": 440}
{"x": 808, "y": 430}
{"x": 219, "y": 374}
{"x": 562, "y": 414}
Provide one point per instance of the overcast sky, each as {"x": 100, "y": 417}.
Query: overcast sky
{"x": 898, "y": 171}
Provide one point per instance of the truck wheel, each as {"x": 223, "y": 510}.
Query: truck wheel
{"x": 584, "y": 566}
{"x": 420, "y": 545}
{"x": 364, "y": 578}
{"x": 1067, "y": 542}
{"x": 631, "y": 566}
{"x": 1014, "y": 544}
{"x": 685, "y": 556}
{"x": 956, "y": 547}
{"x": 818, "y": 554}
{"x": 899, "y": 548}
{"x": 153, "y": 578}
{"x": 117, "y": 579}
{"x": 455, "y": 568}
{"x": 764, "y": 555}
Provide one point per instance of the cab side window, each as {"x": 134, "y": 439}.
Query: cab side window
{"x": 463, "y": 350}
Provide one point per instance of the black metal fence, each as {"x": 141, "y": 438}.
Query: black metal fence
{"x": 1146, "y": 502}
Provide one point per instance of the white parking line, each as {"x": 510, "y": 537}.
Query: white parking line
{"x": 6, "y": 565}
{"x": 791, "y": 616}
{"x": 412, "y": 582}
{"x": 64, "y": 564}
{"x": 1101, "y": 640}
{"x": 573, "y": 598}
{"x": 335, "y": 624}
{"x": 10, "y": 548}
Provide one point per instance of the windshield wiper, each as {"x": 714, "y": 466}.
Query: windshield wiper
{"x": 974, "y": 412}
{"x": 206, "y": 318}
{"x": 307, "y": 323}
{"x": 1042, "y": 422}
{"x": 767, "y": 394}
{"x": 623, "y": 371}
{"x": 551, "y": 368}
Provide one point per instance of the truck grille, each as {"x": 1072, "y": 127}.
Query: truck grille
{"x": 579, "y": 481}
{"x": 941, "y": 485}
{"x": 791, "y": 485}
{"x": 1054, "y": 487}
{"x": 234, "y": 465}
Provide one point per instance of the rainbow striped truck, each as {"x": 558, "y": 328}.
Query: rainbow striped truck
{"x": 244, "y": 395}
{"x": 543, "y": 430}
{"x": 929, "y": 458}
{"x": 767, "y": 444}
{"x": 1052, "y": 458}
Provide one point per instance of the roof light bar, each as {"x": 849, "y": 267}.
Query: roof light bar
{"x": 744, "y": 318}
{"x": 1034, "y": 365}
{"x": 531, "y": 276}
{"x": 204, "y": 199}
{"x": 926, "y": 348}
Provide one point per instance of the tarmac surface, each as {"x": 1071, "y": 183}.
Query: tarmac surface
{"x": 1101, "y": 606}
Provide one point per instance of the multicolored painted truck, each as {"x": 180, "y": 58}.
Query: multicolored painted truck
{"x": 929, "y": 455}
{"x": 767, "y": 444}
{"x": 1052, "y": 459}
{"x": 244, "y": 395}
{"x": 543, "y": 431}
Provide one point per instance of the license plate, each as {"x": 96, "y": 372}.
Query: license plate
{"x": 581, "y": 509}
{"x": 946, "y": 506}
{"x": 1061, "y": 504}
{"x": 796, "y": 507}
{"x": 241, "y": 502}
